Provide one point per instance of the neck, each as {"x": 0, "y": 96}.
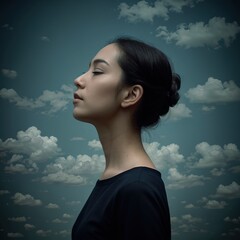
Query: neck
{"x": 122, "y": 148}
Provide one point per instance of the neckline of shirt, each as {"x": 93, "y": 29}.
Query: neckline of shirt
{"x": 114, "y": 178}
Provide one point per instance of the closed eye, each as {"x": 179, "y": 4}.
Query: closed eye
{"x": 97, "y": 72}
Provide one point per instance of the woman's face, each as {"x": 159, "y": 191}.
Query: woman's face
{"x": 97, "y": 98}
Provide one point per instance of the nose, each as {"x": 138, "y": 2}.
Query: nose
{"x": 79, "y": 81}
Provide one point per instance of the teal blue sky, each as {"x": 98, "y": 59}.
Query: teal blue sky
{"x": 49, "y": 162}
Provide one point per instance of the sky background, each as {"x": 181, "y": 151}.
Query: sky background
{"x": 49, "y": 162}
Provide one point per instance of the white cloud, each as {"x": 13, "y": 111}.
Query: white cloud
{"x": 180, "y": 181}
{"x": 64, "y": 219}
{"x": 18, "y": 219}
{"x": 74, "y": 202}
{"x": 27, "y": 200}
{"x": 190, "y": 219}
{"x": 7, "y": 26}
{"x": 43, "y": 233}
{"x": 232, "y": 233}
{"x": 15, "y": 235}
{"x": 214, "y": 91}
{"x": 178, "y": 112}
{"x": 165, "y": 156}
{"x": 9, "y": 73}
{"x": 57, "y": 100}
{"x": 69, "y": 169}
{"x": 77, "y": 139}
{"x": 214, "y": 155}
{"x": 29, "y": 148}
{"x": 21, "y": 168}
{"x": 213, "y": 204}
{"x": 186, "y": 223}
{"x": 95, "y": 144}
{"x": 57, "y": 220}
{"x": 217, "y": 172}
{"x": 50, "y": 101}
{"x": 174, "y": 219}
{"x": 232, "y": 220}
{"x": 64, "y": 233}
{"x": 228, "y": 191}
{"x": 45, "y": 39}
{"x": 199, "y": 34}
{"x": 28, "y": 226}
{"x": 190, "y": 205}
{"x": 235, "y": 169}
{"x": 62, "y": 177}
{"x": 52, "y": 206}
{"x": 27, "y": 103}
{"x": 208, "y": 108}
{"x": 15, "y": 158}
{"x": 82, "y": 164}
{"x": 143, "y": 11}
{"x": 3, "y": 192}
{"x": 66, "y": 216}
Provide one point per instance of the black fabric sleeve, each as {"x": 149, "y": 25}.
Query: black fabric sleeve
{"x": 142, "y": 213}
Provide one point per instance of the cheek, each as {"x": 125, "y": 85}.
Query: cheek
{"x": 104, "y": 100}
{"x": 104, "y": 91}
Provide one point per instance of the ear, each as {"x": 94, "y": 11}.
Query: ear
{"x": 132, "y": 95}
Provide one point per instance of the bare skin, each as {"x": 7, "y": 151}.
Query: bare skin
{"x": 102, "y": 100}
{"x": 123, "y": 149}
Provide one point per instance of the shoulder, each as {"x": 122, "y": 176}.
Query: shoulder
{"x": 131, "y": 184}
{"x": 143, "y": 198}
{"x": 143, "y": 177}
{"x": 142, "y": 183}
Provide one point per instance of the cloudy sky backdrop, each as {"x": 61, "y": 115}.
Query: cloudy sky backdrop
{"x": 49, "y": 162}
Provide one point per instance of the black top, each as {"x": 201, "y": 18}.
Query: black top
{"x": 131, "y": 205}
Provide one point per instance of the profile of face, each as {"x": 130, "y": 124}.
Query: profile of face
{"x": 113, "y": 86}
{"x": 97, "y": 98}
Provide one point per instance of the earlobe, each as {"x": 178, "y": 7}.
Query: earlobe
{"x": 132, "y": 96}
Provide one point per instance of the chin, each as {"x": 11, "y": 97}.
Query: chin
{"x": 80, "y": 117}
{"x": 76, "y": 115}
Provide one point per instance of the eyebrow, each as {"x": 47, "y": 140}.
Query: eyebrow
{"x": 98, "y": 60}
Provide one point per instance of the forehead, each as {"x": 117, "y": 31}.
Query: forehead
{"x": 109, "y": 53}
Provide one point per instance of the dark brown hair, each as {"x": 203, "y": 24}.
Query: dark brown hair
{"x": 149, "y": 67}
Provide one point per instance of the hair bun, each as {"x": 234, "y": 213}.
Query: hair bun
{"x": 173, "y": 93}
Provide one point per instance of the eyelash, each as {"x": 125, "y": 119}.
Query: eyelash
{"x": 97, "y": 72}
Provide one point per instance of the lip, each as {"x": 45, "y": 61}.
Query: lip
{"x": 77, "y": 97}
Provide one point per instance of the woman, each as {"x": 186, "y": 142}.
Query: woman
{"x": 128, "y": 87}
